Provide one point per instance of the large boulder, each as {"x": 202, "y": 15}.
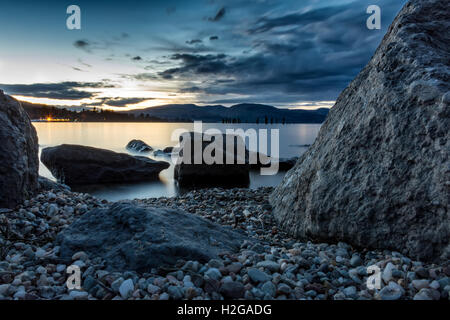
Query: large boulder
{"x": 378, "y": 174}
{"x": 19, "y": 162}
{"x": 130, "y": 237}
{"x": 195, "y": 169}
{"x": 77, "y": 165}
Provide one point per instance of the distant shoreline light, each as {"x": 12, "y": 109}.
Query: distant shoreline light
{"x": 50, "y": 119}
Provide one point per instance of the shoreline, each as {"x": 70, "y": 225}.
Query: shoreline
{"x": 274, "y": 267}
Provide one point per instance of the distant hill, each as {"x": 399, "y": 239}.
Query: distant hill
{"x": 245, "y": 113}
{"x": 240, "y": 113}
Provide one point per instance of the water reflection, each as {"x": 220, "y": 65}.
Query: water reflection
{"x": 294, "y": 139}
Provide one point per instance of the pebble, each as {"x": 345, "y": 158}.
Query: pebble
{"x": 355, "y": 261}
{"x": 78, "y": 295}
{"x": 175, "y": 292}
{"x": 387, "y": 272}
{"x": 424, "y": 294}
{"x": 213, "y": 273}
{"x": 126, "y": 288}
{"x": 257, "y": 275}
{"x": 391, "y": 292}
{"x": 232, "y": 290}
{"x": 269, "y": 288}
{"x": 350, "y": 292}
{"x": 420, "y": 284}
{"x": 269, "y": 265}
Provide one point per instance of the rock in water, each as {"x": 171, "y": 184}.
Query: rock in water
{"x": 75, "y": 165}
{"x": 378, "y": 173}
{"x": 135, "y": 238}
{"x": 168, "y": 150}
{"x": 139, "y": 146}
{"x": 197, "y": 170}
{"x": 19, "y": 160}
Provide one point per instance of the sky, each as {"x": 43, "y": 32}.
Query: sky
{"x": 135, "y": 54}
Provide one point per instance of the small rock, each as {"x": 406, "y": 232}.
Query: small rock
{"x": 350, "y": 291}
{"x": 80, "y": 256}
{"x": 272, "y": 266}
{"x": 420, "y": 284}
{"x": 387, "y": 272}
{"x": 126, "y": 289}
{"x": 78, "y": 295}
{"x": 213, "y": 273}
{"x": 257, "y": 275}
{"x": 269, "y": 288}
{"x": 152, "y": 289}
{"x": 235, "y": 267}
{"x": 232, "y": 290}
{"x": 355, "y": 261}
{"x": 424, "y": 294}
{"x": 391, "y": 292}
{"x": 175, "y": 292}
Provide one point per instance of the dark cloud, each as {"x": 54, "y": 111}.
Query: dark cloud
{"x": 117, "y": 102}
{"x": 143, "y": 76}
{"x": 212, "y": 38}
{"x": 83, "y": 45}
{"x": 219, "y": 15}
{"x": 63, "y": 90}
{"x": 194, "y": 41}
{"x": 195, "y": 64}
{"x": 308, "y": 55}
{"x": 169, "y": 45}
{"x": 265, "y": 24}
{"x": 193, "y": 89}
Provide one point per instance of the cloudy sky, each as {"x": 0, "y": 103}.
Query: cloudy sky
{"x": 134, "y": 54}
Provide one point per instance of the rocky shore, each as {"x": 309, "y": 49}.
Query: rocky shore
{"x": 269, "y": 266}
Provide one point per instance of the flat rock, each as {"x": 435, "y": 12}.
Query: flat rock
{"x": 129, "y": 237}
{"x": 378, "y": 174}
{"x": 77, "y": 165}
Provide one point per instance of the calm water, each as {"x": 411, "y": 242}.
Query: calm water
{"x": 115, "y": 136}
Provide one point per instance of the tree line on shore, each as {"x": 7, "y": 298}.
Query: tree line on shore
{"x": 50, "y": 113}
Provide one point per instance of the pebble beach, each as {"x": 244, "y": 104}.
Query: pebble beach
{"x": 273, "y": 266}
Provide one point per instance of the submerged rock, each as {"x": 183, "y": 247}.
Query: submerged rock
{"x": 139, "y": 146}
{"x": 264, "y": 161}
{"x": 378, "y": 174}
{"x": 130, "y": 237}
{"x": 168, "y": 150}
{"x": 19, "y": 160}
{"x": 76, "y": 165}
